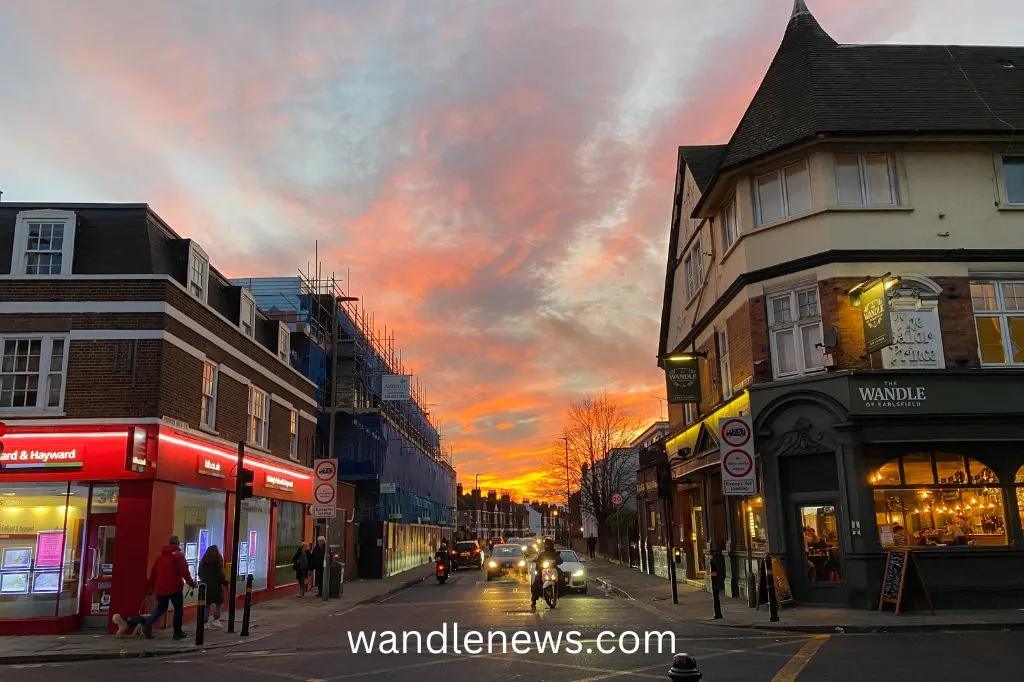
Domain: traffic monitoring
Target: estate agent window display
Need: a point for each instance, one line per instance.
(937, 500)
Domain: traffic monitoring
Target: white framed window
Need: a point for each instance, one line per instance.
(208, 410)
(782, 193)
(33, 368)
(247, 314)
(284, 343)
(693, 265)
(198, 271)
(259, 417)
(730, 229)
(794, 324)
(865, 180)
(1013, 177)
(724, 368)
(293, 434)
(44, 243)
(999, 321)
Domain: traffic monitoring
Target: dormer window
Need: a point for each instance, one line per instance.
(198, 271)
(284, 343)
(44, 243)
(247, 314)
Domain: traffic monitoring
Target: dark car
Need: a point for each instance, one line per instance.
(467, 554)
(506, 560)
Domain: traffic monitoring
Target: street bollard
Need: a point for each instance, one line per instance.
(714, 591)
(246, 607)
(201, 614)
(773, 601)
(684, 669)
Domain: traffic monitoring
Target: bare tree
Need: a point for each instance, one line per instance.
(597, 433)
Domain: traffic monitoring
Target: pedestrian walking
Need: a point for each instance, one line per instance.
(300, 562)
(211, 571)
(166, 580)
(592, 546)
(317, 555)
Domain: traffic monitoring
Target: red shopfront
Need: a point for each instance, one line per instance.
(85, 510)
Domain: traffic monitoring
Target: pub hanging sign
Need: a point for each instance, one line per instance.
(682, 379)
(874, 305)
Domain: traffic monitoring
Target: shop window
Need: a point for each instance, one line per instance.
(290, 522)
(199, 516)
(821, 543)
(753, 521)
(941, 500)
(42, 526)
(253, 552)
(1019, 480)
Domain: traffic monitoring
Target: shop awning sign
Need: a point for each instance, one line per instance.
(739, 475)
(42, 458)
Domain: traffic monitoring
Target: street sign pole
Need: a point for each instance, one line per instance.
(325, 506)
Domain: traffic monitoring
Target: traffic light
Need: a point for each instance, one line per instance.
(245, 479)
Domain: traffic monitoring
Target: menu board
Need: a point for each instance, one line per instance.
(191, 550)
(17, 557)
(243, 552)
(49, 549)
(898, 580)
(14, 583)
(251, 570)
(46, 582)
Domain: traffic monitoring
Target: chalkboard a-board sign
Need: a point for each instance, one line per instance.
(898, 580)
(783, 593)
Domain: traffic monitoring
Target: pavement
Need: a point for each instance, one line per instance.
(266, 619)
(471, 629)
(696, 606)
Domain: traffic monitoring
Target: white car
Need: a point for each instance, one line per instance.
(574, 573)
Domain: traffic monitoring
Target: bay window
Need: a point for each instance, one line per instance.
(783, 193)
(1013, 176)
(794, 322)
(865, 180)
(730, 229)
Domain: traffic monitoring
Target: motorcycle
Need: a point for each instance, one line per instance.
(441, 572)
(549, 583)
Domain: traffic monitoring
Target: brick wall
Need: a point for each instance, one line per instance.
(956, 321)
(181, 389)
(103, 381)
(232, 408)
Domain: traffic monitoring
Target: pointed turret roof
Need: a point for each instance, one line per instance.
(814, 86)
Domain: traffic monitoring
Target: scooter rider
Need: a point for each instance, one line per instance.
(442, 553)
(547, 554)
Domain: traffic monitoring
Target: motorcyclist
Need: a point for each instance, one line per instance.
(443, 554)
(547, 554)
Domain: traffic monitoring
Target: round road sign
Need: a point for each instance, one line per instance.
(735, 433)
(617, 499)
(326, 470)
(737, 463)
(324, 493)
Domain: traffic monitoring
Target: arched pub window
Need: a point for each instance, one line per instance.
(939, 499)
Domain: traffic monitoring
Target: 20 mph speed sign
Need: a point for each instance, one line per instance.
(739, 476)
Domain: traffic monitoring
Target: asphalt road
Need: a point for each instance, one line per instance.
(497, 610)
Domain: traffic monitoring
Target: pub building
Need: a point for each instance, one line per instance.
(131, 371)
(815, 285)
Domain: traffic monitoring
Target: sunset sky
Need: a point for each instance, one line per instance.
(496, 174)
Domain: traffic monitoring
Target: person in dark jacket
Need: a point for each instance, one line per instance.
(316, 557)
(211, 571)
(300, 562)
(550, 555)
(166, 580)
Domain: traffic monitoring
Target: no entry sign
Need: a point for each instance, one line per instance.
(739, 475)
(325, 489)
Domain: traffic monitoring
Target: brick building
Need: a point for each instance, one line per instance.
(131, 373)
(847, 270)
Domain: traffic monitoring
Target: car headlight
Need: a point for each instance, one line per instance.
(522, 563)
(492, 564)
(579, 573)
